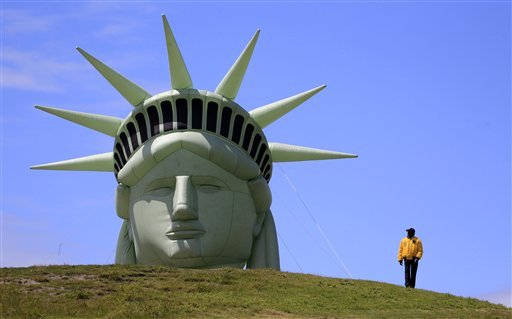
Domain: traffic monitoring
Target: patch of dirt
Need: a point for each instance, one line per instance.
(46, 278)
(78, 277)
(21, 281)
(272, 314)
(52, 291)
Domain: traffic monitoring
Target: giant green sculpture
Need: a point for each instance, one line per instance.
(192, 168)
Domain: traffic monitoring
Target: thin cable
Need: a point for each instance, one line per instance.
(334, 251)
(317, 225)
(306, 230)
(290, 252)
(109, 258)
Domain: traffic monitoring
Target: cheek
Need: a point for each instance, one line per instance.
(240, 239)
(215, 214)
(229, 224)
(150, 219)
(215, 210)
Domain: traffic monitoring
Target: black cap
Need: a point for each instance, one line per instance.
(411, 229)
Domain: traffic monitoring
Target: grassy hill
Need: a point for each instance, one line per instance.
(162, 292)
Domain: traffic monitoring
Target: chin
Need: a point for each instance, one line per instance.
(192, 255)
(203, 262)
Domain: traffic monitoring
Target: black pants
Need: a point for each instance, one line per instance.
(411, 268)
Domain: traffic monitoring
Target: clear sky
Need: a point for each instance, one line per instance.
(420, 90)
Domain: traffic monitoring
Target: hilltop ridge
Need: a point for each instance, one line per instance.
(116, 291)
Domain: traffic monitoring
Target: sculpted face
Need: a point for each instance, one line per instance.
(188, 212)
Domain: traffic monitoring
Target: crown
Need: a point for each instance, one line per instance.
(192, 110)
(186, 109)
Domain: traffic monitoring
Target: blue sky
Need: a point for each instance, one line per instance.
(420, 90)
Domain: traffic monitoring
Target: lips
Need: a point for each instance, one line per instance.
(185, 230)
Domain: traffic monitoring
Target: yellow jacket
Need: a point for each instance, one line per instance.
(410, 248)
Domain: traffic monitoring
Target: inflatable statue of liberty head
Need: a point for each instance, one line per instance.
(192, 168)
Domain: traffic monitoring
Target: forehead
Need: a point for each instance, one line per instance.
(211, 148)
(186, 163)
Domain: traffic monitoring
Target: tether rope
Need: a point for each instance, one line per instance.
(290, 252)
(317, 224)
(307, 231)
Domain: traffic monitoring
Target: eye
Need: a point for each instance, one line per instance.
(208, 188)
(208, 184)
(162, 191)
(161, 187)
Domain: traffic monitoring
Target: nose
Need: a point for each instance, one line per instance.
(184, 200)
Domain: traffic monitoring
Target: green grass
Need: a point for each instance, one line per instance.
(162, 292)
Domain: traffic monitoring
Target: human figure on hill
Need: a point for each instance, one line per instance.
(410, 251)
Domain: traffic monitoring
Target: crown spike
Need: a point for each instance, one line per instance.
(180, 78)
(101, 123)
(129, 90)
(100, 163)
(231, 82)
(292, 153)
(268, 114)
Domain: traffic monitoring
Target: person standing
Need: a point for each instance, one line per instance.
(410, 251)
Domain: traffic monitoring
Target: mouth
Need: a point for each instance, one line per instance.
(185, 230)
